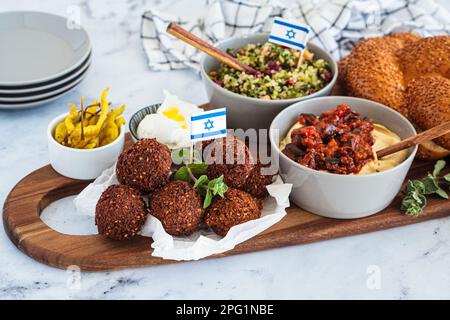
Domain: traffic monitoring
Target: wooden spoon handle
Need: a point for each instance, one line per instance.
(422, 137)
(182, 34)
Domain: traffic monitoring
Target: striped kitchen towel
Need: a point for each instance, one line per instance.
(335, 25)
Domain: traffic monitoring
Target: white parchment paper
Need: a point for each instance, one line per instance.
(203, 242)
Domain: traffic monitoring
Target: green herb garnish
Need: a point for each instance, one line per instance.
(183, 156)
(210, 188)
(414, 200)
(207, 188)
(195, 168)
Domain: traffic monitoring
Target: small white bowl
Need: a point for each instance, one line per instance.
(138, 116)
(80, 163)
(335, 195)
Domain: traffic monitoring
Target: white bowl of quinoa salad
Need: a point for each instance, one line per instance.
(252, 101)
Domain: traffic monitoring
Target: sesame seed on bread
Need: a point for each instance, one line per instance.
(408, 73)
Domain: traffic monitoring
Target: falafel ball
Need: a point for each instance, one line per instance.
(178, 206)
(231, 158)
(120, 212)
(256, 182)
(234, 208)
(145, 166)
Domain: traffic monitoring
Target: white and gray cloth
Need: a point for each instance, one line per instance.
(336, 25)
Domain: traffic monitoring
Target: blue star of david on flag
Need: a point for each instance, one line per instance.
(209, 125)
(289, 34)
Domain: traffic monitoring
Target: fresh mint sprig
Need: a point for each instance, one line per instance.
(188, 171)
(210, 188)
(414, 200)
(207, 188)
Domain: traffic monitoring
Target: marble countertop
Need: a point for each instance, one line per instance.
(403, 263)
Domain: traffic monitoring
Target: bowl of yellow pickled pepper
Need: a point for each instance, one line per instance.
(88, 139)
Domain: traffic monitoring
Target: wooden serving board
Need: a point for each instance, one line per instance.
(94, 253)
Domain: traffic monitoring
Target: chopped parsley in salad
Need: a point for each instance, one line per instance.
(278, 76)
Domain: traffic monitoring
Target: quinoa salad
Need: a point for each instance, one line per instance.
(278, 76)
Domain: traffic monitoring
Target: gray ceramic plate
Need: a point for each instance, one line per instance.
(26, 97)
(13, 105)
(26, 105)
(37, 47)
(46, 86)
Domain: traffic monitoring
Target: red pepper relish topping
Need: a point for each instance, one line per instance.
(338, 141)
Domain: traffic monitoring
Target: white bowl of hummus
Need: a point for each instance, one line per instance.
(332, 163)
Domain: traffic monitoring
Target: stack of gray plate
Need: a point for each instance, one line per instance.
(42, 57)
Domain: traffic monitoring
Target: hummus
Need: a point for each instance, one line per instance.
(383, 138)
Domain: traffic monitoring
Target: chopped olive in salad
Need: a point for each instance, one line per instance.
(278, 76)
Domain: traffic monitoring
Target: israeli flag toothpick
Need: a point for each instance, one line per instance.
(289, 34)
(209, 125)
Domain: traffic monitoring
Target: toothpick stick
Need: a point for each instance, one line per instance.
(191, 160)
(191, 153)
(82, 118)
(300, 60)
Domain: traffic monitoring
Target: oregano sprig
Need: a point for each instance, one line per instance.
(414, 200)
